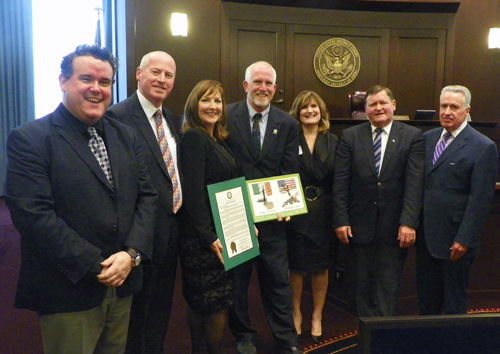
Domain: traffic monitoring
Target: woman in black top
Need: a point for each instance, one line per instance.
(204, 159)
(310, 236)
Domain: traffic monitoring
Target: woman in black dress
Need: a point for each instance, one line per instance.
(204, 159)
(310, 236)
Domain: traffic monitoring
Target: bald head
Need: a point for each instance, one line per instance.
(155, 76)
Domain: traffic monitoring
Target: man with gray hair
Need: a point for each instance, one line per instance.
(265, 141)
(460, 177)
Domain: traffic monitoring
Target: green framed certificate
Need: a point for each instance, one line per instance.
(233, 221)
(279, 194)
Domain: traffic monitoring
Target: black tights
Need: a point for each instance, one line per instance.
(206, 330)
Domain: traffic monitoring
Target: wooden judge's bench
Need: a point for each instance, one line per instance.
(484, 277)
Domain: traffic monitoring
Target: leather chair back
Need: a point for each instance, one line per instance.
(356, 105)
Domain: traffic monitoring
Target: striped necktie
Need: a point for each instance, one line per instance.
(440, 147)
(377, 148)
(169, 162)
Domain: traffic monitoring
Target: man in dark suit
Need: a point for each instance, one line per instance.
(151, 307)
(85, 210)
(460, 176)
(377, 198)
(277, 154)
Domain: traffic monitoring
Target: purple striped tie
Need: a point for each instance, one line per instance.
(440, 147)
(377, 149)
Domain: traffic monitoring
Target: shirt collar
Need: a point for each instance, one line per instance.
(387, 128)
(147, 106)
(81, 126)
(456, 132)
(252, 112)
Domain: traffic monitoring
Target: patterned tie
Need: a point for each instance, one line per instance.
(256, 134)
(440, 147)
(98, 148)
(169, 162)
(377, 148)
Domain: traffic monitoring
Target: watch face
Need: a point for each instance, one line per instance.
(137, 260)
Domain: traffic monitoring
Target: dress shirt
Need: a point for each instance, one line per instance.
(150, 110)
(262, 122)
(385, 137)
(453, 134)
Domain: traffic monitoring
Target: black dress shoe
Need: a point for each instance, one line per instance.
(246, 347)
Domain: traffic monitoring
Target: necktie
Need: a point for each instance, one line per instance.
(440, 147)
(256, 134)
(98, 148)
(169, 162)
(377, 148)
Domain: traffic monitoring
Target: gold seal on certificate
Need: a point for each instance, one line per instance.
(233, 221)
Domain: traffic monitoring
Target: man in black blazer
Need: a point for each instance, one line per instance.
(459, 188)
(85, 221)
(377, 212)
(278, 137)
(151, 307)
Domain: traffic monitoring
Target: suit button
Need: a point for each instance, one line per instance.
(379, 184)
(115, 228)
(112, 197)
(374, 203)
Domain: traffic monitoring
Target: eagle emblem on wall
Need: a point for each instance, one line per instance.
(336, 62)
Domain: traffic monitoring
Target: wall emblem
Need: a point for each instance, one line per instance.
(336, 62)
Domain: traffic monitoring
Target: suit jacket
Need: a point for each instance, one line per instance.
(278, 156)
(459, 189)
(378, 206)
(131, 113)
(68, 215)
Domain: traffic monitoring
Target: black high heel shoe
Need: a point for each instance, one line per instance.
(316, 339)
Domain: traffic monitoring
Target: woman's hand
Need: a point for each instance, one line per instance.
(217, 248)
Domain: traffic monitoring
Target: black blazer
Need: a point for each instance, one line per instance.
(68, 215)
(459, 190)
(278, 156)
(204, 165)
(279, 153)
(131, 113)
(370, 204)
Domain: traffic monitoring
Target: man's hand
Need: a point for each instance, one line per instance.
(406, 236)
(457, 251)
(279, 218)
(217, 248)
(115, 269)
(343, 233)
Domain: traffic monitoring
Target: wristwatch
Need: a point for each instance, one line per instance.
(136, 257)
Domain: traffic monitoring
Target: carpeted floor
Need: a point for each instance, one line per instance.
(20, 333)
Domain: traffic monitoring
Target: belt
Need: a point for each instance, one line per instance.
(311, 193)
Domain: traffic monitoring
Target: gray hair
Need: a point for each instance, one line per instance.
(462, 89)
(248, 71)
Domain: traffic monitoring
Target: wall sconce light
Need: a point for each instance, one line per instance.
(179, 24)
(494, 38)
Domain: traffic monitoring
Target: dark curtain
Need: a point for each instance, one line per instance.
(17, 99)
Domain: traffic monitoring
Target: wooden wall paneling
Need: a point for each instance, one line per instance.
(250, 42)
(417, 68)
(302, 43)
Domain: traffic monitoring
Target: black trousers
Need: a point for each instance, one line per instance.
(272, 273)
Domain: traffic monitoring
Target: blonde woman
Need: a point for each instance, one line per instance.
(310, 236)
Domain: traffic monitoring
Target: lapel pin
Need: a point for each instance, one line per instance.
(275, 131)
(393, 140)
